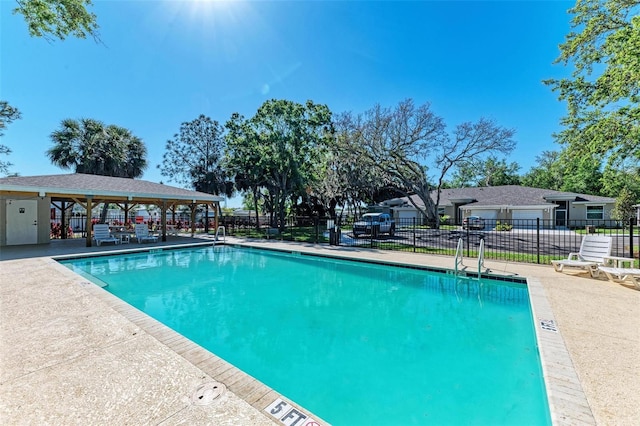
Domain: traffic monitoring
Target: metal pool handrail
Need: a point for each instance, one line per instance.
(459, 256)
(224, 234)
(481, 258)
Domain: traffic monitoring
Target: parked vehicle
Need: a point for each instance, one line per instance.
(374, 224)
(473, 222)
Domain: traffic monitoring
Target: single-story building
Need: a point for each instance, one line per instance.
(519, 204)
(26, 201)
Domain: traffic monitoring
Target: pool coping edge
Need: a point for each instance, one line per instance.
(568, 404)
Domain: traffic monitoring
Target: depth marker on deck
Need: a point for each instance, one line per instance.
(288, 415)
(549, 325)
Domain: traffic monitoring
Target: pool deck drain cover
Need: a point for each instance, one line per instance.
(208, 392)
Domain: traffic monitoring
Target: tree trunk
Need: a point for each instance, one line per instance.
(332, 208)
(255, 206)
(206, 218)
(103, 214)
(281, 204)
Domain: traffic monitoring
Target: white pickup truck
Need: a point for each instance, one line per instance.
(374, 224)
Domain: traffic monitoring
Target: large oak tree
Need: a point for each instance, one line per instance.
(603, 92)
(402, 142)
(58, 18)
(284, 141)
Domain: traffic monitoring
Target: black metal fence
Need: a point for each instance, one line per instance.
(530, 241)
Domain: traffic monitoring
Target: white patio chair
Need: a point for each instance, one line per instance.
(622, 274)
(593, 250)
(102, 234)
(142, 233)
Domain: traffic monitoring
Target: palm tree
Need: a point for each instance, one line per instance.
(88, 146)
(129, 160)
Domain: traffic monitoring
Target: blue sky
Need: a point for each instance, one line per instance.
(161, 63)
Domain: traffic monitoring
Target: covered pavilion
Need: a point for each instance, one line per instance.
(26, 202)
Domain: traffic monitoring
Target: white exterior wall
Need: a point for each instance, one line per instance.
(44, 221)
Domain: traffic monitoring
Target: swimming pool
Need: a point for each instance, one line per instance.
(355, 343)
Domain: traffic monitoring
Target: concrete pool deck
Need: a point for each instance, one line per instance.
(72, 353)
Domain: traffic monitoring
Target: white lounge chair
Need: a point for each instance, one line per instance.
(102, 234)
(622, 274)
(593, 250)
(142, 233)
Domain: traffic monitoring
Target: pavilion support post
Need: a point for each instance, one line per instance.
(163, 220)
(206, 218)
(63, 220)
(88, 221)
(193, 219)
(216, 214)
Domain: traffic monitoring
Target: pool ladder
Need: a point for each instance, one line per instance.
(459, 257)
(224, 234)
(460, 266)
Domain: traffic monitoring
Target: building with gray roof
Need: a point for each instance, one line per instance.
(511, 202)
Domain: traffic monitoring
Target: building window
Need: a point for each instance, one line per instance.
(595, 212)
(562, 205)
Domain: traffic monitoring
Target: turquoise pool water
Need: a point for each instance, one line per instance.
(355, 343)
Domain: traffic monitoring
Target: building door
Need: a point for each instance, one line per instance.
(562, 213)
(561, 217)
(22, 222)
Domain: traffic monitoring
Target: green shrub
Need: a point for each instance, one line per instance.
(503, 226)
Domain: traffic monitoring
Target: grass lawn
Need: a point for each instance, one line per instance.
(310, 234)
(609, 231)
